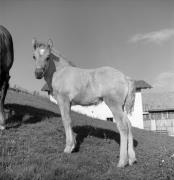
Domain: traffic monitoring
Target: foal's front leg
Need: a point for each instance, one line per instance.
(64, 106)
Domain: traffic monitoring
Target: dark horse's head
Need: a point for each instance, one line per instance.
(41, 55)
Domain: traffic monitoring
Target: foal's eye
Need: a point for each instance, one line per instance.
(47, 58)
(34, 57)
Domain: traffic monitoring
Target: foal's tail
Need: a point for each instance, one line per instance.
(130, 98)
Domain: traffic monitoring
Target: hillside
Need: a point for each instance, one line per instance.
(32, 146)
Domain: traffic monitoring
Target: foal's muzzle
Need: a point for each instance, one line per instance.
(39, 73)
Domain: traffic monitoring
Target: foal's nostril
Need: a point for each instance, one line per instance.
(39, 73)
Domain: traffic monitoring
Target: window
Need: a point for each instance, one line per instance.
(165, 115)
(156, 115)
(146, 117)
(170, 115)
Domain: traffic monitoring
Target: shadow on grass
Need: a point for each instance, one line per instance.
(84, 131)
(24, 114)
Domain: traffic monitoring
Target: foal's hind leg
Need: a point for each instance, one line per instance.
(131, 152)
(123, 129)
(64, 106)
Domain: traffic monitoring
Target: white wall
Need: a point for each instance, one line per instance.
(102, 111)
(52, 99)
(136, 117)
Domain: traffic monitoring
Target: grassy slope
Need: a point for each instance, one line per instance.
(32, 147)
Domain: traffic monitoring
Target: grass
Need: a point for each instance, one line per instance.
(32, 147)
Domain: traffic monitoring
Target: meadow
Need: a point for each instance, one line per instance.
(32, 146)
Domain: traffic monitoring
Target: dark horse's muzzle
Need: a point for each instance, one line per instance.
(39, 73)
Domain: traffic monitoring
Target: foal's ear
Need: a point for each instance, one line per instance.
(50, 43)
(34, 43)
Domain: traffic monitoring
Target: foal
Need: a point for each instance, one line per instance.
(71, 85)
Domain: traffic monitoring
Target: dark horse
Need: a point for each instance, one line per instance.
(6, 61)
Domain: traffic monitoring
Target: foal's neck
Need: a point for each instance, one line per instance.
(56, 64)
(59, 61)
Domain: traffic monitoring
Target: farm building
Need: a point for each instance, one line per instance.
(102, 111)
(159, 112)
(136, 117)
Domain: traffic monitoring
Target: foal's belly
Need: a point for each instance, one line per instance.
(86, 99)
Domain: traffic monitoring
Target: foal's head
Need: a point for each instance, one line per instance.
(41, 55)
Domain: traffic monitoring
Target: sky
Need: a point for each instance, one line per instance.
(133, 36)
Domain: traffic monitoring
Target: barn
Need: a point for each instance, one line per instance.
(158, 112)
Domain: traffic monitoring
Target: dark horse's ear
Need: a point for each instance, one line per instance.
(50, 43)
(34, 43)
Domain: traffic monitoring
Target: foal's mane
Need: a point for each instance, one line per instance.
(59, 55)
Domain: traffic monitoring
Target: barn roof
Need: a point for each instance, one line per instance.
(158, 101)
(141, 84)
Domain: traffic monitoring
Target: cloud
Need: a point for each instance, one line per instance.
(157, 37)
(164, 82)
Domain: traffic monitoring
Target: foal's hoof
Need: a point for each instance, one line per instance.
(132, 161)
(122, 164)
(68, 149)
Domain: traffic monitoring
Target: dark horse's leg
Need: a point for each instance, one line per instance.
(4, 88)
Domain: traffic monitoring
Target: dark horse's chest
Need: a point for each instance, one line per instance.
(6, 54)
(6, 50)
